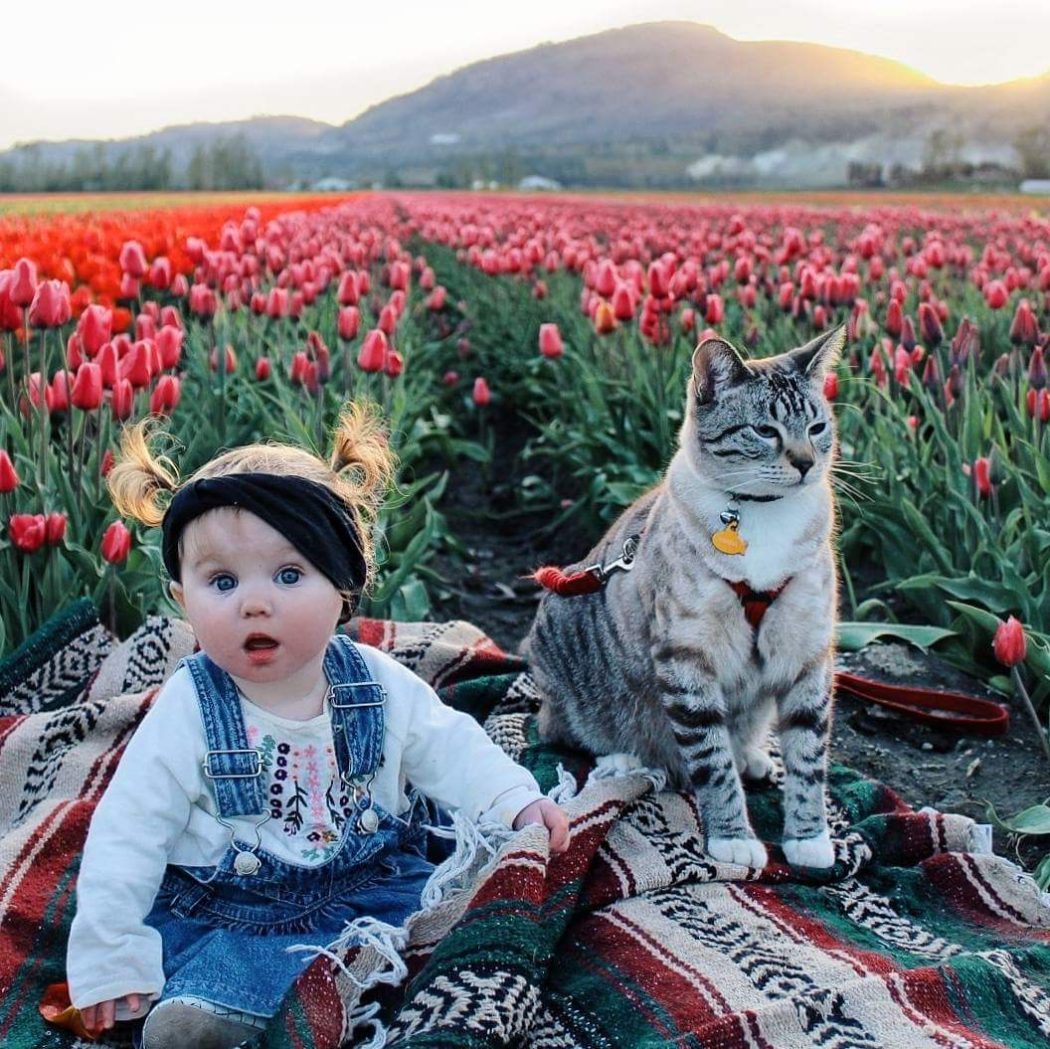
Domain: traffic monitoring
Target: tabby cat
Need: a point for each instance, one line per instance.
(664, 663)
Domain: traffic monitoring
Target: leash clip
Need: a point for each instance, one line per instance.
(624, 563)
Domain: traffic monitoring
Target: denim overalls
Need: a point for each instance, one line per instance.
(225, 929)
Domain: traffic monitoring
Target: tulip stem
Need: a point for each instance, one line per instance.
(1027, 701)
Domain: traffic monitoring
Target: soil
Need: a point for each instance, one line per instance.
(925, 765)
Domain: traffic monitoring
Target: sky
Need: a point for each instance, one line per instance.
(114, 68)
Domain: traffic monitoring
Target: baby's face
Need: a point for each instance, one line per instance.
(260, 610)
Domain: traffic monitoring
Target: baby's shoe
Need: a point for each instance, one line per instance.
(181, 1025)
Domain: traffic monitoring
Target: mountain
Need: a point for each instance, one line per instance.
(660, 104)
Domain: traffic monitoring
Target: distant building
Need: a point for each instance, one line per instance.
(533, 182)
(331, 184)
(1035, 185)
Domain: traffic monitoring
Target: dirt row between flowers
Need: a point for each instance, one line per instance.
(923, 764)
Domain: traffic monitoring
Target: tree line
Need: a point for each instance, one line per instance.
(224, 163)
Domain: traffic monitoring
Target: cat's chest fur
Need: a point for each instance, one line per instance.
(783, 536)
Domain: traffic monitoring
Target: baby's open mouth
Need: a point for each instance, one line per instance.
(259, 643)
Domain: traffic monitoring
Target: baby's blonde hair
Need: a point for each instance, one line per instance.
(358, 473)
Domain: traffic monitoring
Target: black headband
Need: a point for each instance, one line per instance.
(309, 515)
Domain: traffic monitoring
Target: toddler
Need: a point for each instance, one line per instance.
(269, 795)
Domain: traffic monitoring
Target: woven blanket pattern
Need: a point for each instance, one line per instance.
(633, 938)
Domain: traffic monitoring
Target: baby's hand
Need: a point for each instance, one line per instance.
(100, 1016)
(549, 815)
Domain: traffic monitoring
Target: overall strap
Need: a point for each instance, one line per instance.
(358, 722)
(232, 767)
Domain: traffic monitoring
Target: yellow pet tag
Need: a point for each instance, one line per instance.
(729, 541)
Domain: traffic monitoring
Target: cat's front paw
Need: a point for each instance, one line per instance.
(757, 766)
(815, 852)
(749, 852)
(617, 764)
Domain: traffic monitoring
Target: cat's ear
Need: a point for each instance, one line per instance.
(716, 365)
(821, 354)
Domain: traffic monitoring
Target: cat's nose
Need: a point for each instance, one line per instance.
(801, 463)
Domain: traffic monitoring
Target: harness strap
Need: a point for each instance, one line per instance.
(755, 602)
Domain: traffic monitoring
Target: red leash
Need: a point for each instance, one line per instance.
(947, 710)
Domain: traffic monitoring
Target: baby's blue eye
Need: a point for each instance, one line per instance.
(223, 582)
(289, 576)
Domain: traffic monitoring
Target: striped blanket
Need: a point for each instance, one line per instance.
(633, 938)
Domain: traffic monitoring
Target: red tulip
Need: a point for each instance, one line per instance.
(169, 345)
(894, 319)
(10, 313)
(203, 301)
(348, 294)
(349, 322)
(995, 294)
(50, 307)
(133, 259)
(715, 310)
(95, 328)
(122, 399)
(982, 476)
(160, 273)
(278, 303)
(262, 369)
(436, 299)
(108, 361)
(831, 386)
(55, 528)
(482, 393)
(372, 356)
(165, 395)
(229, 359)
(1010, 644)
(145, 327)
(550, 341)
(395, 364)
(180, 286)
(930, 325)
(299, 368)
(129, 287)
(1024, 328)
(56, 394)
(450, 378)
(116, 543)
(1037, 369)
(28, 532)
(388, 319)
(9, 479)
(107, 462)
(87, 387)
(22, 288)
(623, 303)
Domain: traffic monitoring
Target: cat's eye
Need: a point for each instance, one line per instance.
(817, 428)
(766, 431)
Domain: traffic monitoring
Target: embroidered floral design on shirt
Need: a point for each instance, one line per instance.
(304, 794)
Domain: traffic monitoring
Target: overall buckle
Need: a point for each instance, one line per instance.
(255, 764)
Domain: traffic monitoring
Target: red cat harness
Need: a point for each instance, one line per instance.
(591, 579)
(950, 710)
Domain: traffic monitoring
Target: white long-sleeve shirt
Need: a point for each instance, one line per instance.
(158, 809)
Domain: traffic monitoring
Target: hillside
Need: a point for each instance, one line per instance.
(661, 104)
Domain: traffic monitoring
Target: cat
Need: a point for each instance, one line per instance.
(662, 663)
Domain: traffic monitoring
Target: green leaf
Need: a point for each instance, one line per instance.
(993, 596)
(1042, 873)
(1033, 820)
(852, 636)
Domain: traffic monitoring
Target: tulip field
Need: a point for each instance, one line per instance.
(567, 322)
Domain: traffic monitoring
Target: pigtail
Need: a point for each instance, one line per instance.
(139, 477)
(361, 456)
(364, 465)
